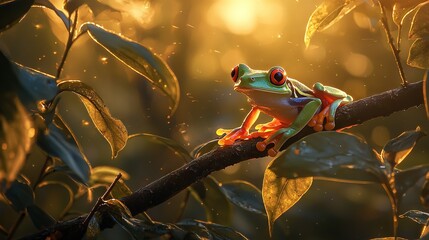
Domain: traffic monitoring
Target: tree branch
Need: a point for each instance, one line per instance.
(157, 192)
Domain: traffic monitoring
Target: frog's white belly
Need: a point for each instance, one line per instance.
(275, 105)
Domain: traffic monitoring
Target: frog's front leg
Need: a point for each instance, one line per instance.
(279, 137)
(241, 132)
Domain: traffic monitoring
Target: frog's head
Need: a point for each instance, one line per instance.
(249, 81)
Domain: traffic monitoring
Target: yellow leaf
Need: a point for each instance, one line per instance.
(280, 194)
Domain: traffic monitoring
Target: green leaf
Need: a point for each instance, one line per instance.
(417, 216)
(426, 92)
(93, 228)
(137, 228)
(406, 179)
(420, 23)
(169, 143)
(35, 86)
(204, 148)
(279, 194)
(105, 175)
(424, 194)
(12, 12)
(138, 58)
(418, 55)
(216, 231)
(112, 129)
(402, 9)
(397, 149)
(333, 156)
(95, 6)
(39, 217)
(20, 195)
(326, 14)
(16, 136)
(66, 187)
(214, 200)
(49, 5)
(54, 142)
(244, 195)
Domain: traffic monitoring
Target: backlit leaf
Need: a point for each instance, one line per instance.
(397, 149)
(402, 9)
(137, 228)
(93, 228)
(417, 216)
(16, 136)
(424, 194)
(420, 23)
(39, 217)
(326, 14)
(139, 58)
(59, 13)
(216, 231)
(54, 142)
(105, 175)
(35, 86)
(204, 148)
(12, 12)
(332, 156)
(169, 143)
(214, 200)
(20, 195)
(112, 129)
(64, 186)
(280, 194)
(418, 55)
(244, 195)
(16, 128)
(426, 92)
(406, 179)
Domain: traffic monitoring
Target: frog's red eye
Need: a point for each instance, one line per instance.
(234, 74)
(278, 76)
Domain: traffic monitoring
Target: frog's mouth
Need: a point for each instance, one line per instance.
(251, 91)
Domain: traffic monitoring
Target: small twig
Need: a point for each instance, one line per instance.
(395, 50)
(68, 45)
(16, 225)
(3, 231)
(24, 213)
(101, 200)
(183, 206)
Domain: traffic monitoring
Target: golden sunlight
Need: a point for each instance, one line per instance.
(241, 17)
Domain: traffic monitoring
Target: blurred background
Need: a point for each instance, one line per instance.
(202, 41)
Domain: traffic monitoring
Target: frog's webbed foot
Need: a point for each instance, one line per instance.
(231, 135)
(328, 114)
(317, 121)
(278, 138)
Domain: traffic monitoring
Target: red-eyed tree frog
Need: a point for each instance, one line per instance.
(292, 105)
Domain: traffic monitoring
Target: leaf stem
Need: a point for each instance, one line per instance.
(16, 225)
(100, 200)
(24, 213)
(3, 230)
(394, 205)
(68, 45)
(395, 50)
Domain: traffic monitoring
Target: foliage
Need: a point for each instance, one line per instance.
(30, 118)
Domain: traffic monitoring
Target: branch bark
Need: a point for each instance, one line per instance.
(157, 192)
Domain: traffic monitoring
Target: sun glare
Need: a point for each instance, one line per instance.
(241, 17)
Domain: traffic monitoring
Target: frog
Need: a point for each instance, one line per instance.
(290, 103)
